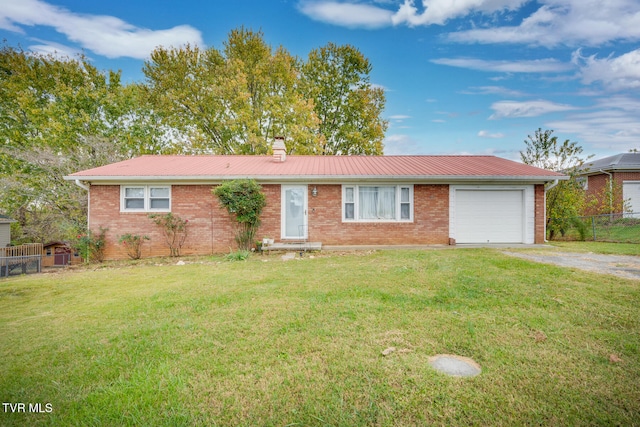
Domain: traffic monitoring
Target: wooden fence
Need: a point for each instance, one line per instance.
(23, 259)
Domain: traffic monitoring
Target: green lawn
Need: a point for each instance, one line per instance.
(298, 343)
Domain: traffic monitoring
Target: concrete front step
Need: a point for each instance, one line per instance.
(294, 246)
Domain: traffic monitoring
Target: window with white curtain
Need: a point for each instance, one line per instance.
(367, 203)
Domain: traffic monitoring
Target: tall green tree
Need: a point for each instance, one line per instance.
(58, 116)
(349, 107)
(233, 101)
(566, 200)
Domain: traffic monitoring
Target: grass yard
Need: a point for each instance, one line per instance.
(298, 343)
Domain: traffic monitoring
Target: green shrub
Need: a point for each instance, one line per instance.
(174, 230)
(91, 245)
(237, 256)
(244, 200)
(133, 244)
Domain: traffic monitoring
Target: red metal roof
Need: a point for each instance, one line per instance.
(315, 167)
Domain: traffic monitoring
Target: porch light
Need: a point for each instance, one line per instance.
(314, 192)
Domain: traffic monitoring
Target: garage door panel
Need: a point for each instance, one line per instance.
(489, 216)
(631, 193)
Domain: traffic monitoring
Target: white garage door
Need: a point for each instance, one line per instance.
(631, 192)
(489, 216)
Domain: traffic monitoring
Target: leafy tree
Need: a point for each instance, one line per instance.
(233, 101)
(58, 116)
(236, 100)
(244, 200)
(566, 200)
(348, 106)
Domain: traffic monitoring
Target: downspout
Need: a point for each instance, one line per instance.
(81, 185)
(547, 188)
(610, 192)
(86, 188)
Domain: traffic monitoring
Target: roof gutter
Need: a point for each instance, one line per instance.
(322, 178)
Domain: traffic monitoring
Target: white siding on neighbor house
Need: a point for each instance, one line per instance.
(492, 214)
(631, 193)
(5, 234)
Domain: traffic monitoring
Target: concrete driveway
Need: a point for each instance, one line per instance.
(618, 265)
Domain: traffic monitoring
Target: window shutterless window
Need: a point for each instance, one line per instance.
(145, 198)
(370, 203)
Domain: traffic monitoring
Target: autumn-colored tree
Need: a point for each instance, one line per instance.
(233, 101)
(236, 100)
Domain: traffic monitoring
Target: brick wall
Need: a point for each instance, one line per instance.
(598, 184)
(210, 230)
(430, 224)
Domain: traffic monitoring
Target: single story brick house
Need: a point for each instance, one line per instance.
(335, 200)
(622, 170)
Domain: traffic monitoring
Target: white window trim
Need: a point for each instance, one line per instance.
(147, 198)
(356, 202)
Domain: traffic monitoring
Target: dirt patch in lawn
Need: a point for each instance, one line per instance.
(618, 265)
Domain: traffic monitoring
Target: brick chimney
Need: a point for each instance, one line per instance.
(279, 149)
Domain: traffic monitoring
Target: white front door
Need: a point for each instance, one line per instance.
(294, 212)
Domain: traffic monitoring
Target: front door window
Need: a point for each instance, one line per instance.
(294, 212)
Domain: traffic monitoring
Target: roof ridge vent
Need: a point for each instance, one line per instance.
(279, 149)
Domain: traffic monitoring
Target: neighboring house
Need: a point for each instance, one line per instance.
(5, 230)
(59, 254)
(622, 170)
(335, 200)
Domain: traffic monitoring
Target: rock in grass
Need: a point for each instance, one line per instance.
(388, 351)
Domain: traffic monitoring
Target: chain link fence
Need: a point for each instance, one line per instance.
(617, 228)
(23, 259)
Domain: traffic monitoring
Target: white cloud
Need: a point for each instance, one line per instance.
(440, 11)
(553, 23)
(103, 35)
(487, 134)
(548, 65)
(347, 14)
(615, 73)
(493, 90)
(566, 22)
(399, 117)
(401, 145)
(512, 109)
(611, 124)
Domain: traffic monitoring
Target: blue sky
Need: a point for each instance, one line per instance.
(461, 77)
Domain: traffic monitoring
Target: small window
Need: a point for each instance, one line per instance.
(48, 251)
(349, 203)
(405, 203)
(159, 198)
(146, 198)
(134, 198)
(583, 181)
